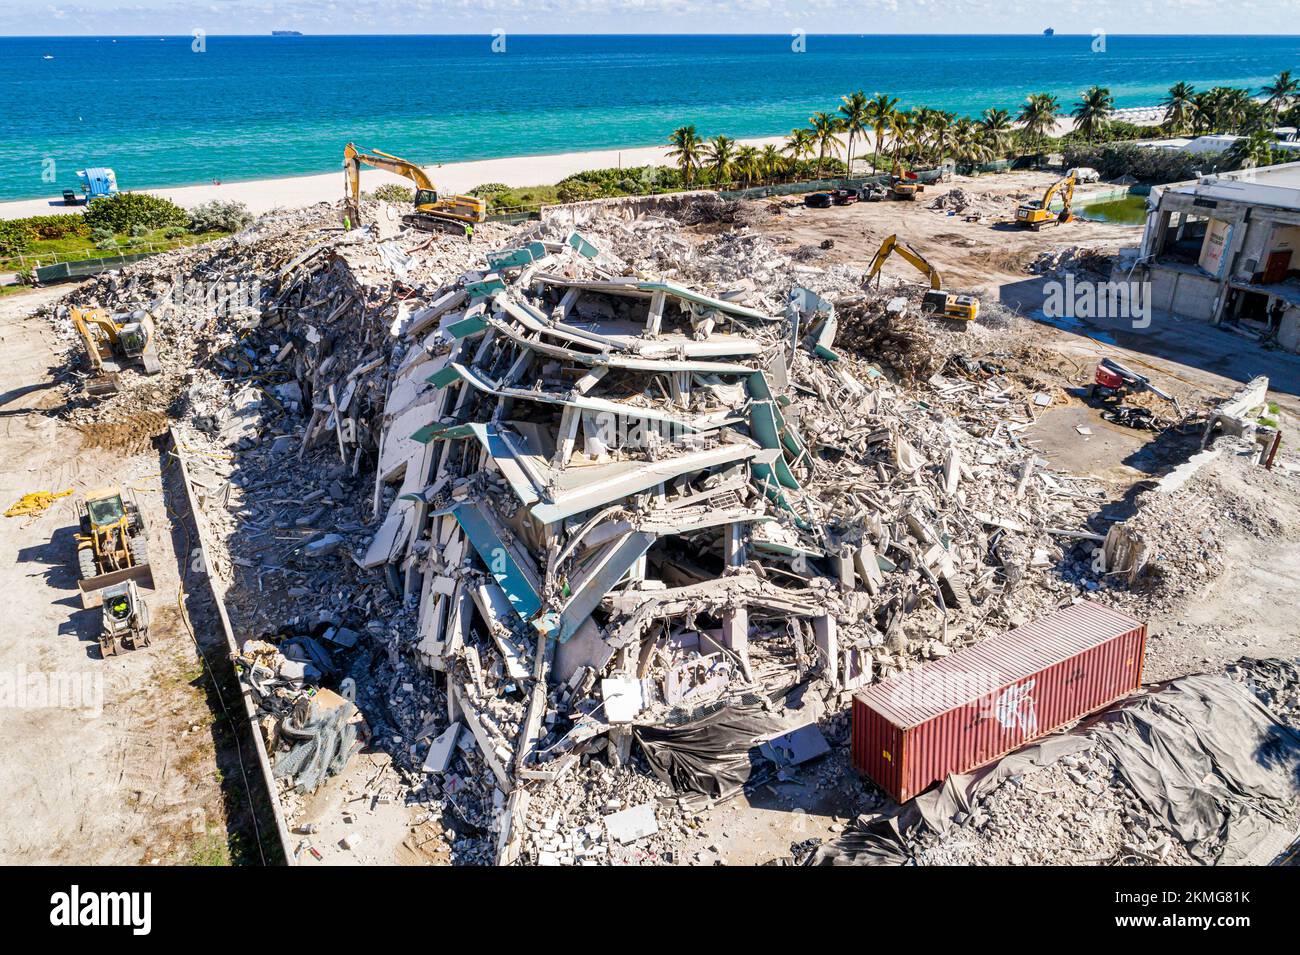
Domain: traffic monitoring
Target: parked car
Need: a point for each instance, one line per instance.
(844, 197)
(818, 200)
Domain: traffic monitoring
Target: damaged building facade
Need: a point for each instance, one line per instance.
(1226, 250)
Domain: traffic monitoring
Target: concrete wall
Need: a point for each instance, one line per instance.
(1288, 332)
(1183, 293)
(627, 207)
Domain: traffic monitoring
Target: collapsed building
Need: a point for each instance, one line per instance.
(1222, 249)
(580, 489)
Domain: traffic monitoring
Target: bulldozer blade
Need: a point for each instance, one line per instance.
(142, 574)
(105, 384)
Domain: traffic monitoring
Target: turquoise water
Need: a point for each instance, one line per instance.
(255, 107)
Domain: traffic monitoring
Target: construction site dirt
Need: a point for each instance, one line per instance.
(572, 544)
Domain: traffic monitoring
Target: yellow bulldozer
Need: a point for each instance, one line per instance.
(959, 308)
(1038, 212)
(433, 213)
(112, 545)
(113, 342)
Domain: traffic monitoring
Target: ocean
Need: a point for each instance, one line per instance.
(248, 107)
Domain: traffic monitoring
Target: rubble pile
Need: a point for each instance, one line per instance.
(1076, 811)
(982, 206)
(1172, 548)
(539, 493)
(1080, 261)
(1275, 683)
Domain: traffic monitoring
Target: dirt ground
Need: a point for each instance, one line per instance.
(975, 257)
(121, 760)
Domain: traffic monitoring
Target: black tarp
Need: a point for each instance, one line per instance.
(1201, 752)
(712, 756)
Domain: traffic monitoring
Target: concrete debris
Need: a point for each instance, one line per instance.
(1081, 262)
(537, 490)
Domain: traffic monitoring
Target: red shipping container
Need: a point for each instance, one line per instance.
(956, 714)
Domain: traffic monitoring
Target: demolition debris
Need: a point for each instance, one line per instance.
(569, 519)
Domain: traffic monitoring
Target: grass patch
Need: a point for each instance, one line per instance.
(78, 248)
(210, 849)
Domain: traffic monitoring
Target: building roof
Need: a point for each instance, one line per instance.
(1277, 186)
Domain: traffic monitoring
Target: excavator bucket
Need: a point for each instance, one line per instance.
(101, 385)
(92, 587)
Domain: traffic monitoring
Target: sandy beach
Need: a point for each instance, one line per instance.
(262, 195)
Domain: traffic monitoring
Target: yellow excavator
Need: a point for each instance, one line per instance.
(900, 187)
(1037, 213)
(433, 213)
(963, 308)
(112, 341)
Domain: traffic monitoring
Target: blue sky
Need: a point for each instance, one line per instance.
(178, 17)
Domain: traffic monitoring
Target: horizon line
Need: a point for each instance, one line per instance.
(304, 35)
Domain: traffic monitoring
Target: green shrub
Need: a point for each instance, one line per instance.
(489, 189)
(575, 189)
(67, 226)
(105, 245)
(138, 232)
(395, 193)
(100, 235)
(217, 216)
(122, 211)
(15, 237)
(174, 232)
(1114, 160)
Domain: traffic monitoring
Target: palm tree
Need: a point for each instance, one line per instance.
(771, 160)
(1038, 116)
(996, 126)
(1179, 106)
(1092, 111)
(880, 112)
(749, 163)
(1205, 111)
(720, 152)
(968, 144)
(1251, 151)
(824, 130)
(685, 149)
(1235, 107)
(799, 144)
(853, 112)
(940, 126)
(1280, 93)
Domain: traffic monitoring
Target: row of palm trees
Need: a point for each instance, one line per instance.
(930, 135)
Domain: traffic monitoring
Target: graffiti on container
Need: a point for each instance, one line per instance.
(1015, 707)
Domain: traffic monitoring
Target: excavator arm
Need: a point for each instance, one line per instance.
(429, 207)
(910, 255)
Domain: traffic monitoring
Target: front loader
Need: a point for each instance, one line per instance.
(112, 546)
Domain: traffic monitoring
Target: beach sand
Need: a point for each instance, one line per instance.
(262, 195)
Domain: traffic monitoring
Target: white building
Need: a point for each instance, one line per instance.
(1226, 249)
